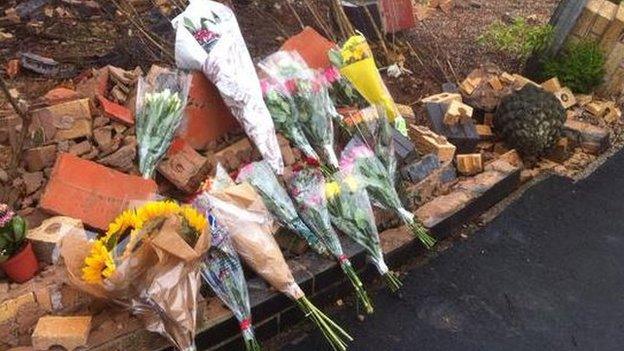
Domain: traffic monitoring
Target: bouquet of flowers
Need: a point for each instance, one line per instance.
(277, 201)
(351, 212)
(376, 132)
(241, 210)
(285, 115)
(222, 271)
(309, 190)
(358, 159)
(209, 39)
(342, 92)
(357, 64)
(161, 98)
(148, 261)
(314, 105)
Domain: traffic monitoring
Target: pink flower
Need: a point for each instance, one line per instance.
(266, 86)
(6, 215)
(349, 158)
(204, 36)
(331, 74)
(245, 172)
(291, 86)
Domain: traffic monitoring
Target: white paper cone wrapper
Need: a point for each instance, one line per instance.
(230, 68)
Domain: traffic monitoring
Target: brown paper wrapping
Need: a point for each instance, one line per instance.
(157, 278)
(250, 226)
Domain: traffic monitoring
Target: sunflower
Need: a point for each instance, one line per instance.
(126, 220)
(332, 189)
(98, 265)
(156, 209)
(196, 220)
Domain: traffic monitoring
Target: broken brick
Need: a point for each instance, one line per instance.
(421, 169)
(484, 131)
(116, 111)
(469, 84)
(612, 113)
(32, 181)
(566, 97)
(60, 95)
(593, 139)
(38, 158)
(443, 98)
(69, 120)
(496, 84)
(233, 156)
(46, 237)
(427, 141)
(552, 85)
(13, 68)
(312, 47)
(560, 152)
(208, 118)
(122, 159)
(513, 158)
(91, 192)
(469, 164)
(184, 167)
(69, 332)
(81, 148)
(596, 108)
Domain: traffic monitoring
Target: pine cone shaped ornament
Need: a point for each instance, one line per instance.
(530, 120)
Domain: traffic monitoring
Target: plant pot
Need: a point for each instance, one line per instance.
(22, 266)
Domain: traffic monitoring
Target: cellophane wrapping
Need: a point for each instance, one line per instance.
(153, 272)
(314, 105)
(277, 201)
(222, 270)
(209, 39)
(160, 103)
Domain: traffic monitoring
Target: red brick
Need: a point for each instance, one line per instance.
(60, 95)
(91, 192)
(312, 47)
(116, 111)
(184, 167)
(64, 121)
(397, 15)
(208, 118)
(69, 332)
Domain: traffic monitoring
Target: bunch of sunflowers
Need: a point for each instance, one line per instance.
(124, 235)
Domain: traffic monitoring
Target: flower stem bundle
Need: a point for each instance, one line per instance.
(352, 213)
(160, 102)
(308, 189)
(359, 160)
(243, 213)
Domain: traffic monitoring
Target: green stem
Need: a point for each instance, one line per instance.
(392, 281)
(358, 286)
(422, 234)
(334, 334)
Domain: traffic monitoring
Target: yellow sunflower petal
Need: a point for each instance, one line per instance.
(196, 220)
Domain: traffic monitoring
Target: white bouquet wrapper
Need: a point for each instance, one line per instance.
(217, 48)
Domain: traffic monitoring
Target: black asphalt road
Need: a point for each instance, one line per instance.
(547, 274)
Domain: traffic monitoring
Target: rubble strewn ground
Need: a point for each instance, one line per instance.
(88, 118)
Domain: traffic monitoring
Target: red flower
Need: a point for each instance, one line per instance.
(204, 35)
(312, 162)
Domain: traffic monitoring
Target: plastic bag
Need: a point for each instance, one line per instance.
(314, 105)
(217, 48)
(161, 99)
(147, 262)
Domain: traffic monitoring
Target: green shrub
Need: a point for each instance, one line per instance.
(580, 66)
(518, 38)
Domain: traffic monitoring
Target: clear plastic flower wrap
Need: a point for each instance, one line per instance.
(241, 210)
(222, 271)
(309, 90)
(209, 39)
(161, 98)
(308, 189)
(148, 262)
(359, 160)
(285, 115)
(277, 201)
(351, 212)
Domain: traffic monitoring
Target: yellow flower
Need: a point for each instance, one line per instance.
(351, 182)
(126, 220)
(332, 189)
(98, 265)
(155, 209)
(196, 220)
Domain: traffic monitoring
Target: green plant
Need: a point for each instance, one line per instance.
(12, 233)
(580, 66)
(518, 38)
